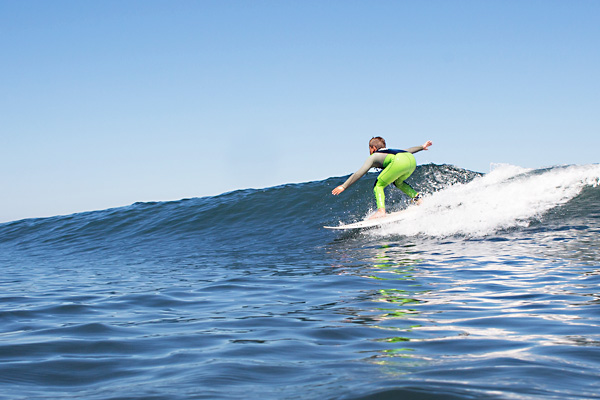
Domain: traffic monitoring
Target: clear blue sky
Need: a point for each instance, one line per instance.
(105, 103)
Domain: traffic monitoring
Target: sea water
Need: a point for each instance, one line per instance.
(489, 290)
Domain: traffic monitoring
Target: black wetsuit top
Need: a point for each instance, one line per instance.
(376, 160)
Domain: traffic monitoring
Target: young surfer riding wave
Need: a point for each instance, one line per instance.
(397, 166)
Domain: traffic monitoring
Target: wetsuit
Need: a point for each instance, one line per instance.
(397, 166)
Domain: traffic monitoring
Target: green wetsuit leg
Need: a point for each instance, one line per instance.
(406, 188)
(397, 168)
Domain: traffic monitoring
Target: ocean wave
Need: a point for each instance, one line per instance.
(457, 202)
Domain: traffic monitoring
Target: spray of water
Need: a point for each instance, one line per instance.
(507, 197)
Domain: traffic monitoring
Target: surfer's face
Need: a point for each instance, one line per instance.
(372, 149)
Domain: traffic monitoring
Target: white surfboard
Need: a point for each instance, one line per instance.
(370, 223)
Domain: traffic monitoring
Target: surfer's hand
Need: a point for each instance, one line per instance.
(427, 144)
(338, 190)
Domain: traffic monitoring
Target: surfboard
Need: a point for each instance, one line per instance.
(370, 223)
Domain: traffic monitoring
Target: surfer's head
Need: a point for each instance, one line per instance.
(376, 143)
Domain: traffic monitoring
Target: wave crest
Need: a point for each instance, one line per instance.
(458, 202)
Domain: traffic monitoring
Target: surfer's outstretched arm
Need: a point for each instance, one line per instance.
(372, 161)
(416, 149)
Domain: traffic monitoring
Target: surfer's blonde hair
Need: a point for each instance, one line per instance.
(378, 142)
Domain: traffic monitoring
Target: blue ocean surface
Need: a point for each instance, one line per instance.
(488, 290)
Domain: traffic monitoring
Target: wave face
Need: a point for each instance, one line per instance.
(458, 202)
(487, 290)
(286, 214)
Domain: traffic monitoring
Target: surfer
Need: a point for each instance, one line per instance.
(397, 166)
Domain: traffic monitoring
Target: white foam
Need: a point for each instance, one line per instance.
(508, 196)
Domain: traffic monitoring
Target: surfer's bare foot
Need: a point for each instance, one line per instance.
(378, 214)
(418, 199)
